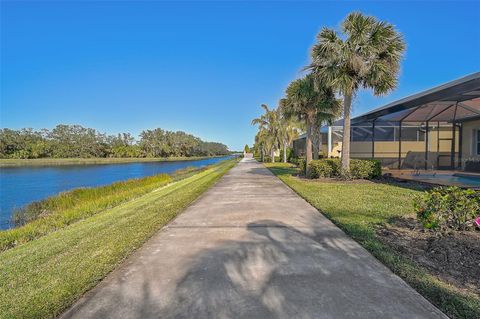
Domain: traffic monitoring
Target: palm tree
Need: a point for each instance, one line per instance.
(270, 123)
(288, 132)
(308, 102)
(260, 142)
(366, 55)
(289, 127)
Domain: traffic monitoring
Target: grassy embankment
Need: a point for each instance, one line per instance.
(42, 277)
(359, 209)
(40, 218)
(4, 162)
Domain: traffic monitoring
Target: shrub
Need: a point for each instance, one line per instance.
(293, 160)
(324, 168)
(290, 154)
(302, 164)
(377, 169)
(365, 169)
(267, 159)
(359, 169)
(448, 208)
(320, 168)
(335, 163)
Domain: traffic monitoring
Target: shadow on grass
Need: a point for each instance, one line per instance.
(413, 185)
(284, 170)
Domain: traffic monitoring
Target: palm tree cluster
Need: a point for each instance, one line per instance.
(366, 53)
(275, 131)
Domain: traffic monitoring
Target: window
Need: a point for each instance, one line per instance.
(412, 133)
(386, 134)
(478, 142)
(361, 134)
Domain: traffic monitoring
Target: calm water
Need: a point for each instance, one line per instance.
(22, 185)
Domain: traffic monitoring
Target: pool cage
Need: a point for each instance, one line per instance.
(423, 131)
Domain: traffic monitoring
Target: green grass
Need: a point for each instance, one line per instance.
(43, 277)
(5, 162)
(59, 211)
(359, 209)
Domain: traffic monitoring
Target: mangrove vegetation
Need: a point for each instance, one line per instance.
(75, 141)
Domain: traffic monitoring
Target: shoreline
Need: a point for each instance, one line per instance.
(94, 161)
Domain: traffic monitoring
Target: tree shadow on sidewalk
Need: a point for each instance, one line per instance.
(279, 271)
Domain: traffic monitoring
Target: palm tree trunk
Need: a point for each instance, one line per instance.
(315, 141)
(308, 148)
(273, 155)
(347, 103)
(263, 154)
(284, 151)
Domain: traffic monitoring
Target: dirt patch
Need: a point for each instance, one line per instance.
(454, 258)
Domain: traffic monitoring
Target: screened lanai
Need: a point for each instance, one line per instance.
(434, 129)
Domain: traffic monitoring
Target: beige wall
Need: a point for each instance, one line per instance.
(385, 149)
(468, 147)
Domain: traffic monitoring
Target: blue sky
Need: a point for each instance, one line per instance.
(200, 67)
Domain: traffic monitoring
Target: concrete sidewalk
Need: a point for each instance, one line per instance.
(251, 248)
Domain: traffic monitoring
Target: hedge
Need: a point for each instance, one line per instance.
(359, 169)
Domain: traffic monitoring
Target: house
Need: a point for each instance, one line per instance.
(435, 129)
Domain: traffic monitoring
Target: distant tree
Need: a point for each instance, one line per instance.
(127, 151)
(121, 139)
(210, 149)
(366, 55)
(246, 148)
(24, 143)
(262, 142)
(160, 143)
(270, 122)
(76, 141)
(153, 143)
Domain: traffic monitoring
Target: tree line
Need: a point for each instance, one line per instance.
(75, 141)
(365, 53)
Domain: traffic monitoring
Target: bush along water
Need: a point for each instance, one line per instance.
(331, 167)
(448, 208)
